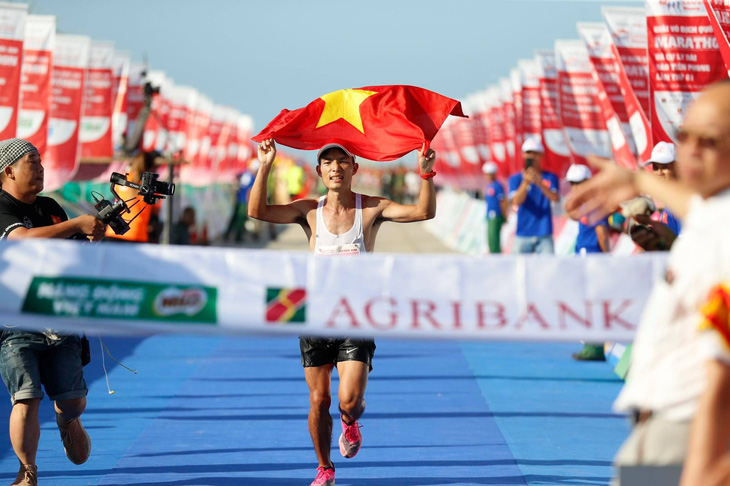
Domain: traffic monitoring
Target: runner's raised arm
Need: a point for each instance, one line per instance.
(426, 206)
(258, 207)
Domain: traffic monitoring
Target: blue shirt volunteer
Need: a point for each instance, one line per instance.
(494, 195)
(587, 237)
(534, 216)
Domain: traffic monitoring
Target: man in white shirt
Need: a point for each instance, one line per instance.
(679, 384)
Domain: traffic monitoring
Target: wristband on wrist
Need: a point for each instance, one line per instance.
(428, 175)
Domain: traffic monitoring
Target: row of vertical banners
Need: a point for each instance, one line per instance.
(616, 90)
(74, 97)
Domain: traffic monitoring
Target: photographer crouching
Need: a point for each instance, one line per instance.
(31, 359)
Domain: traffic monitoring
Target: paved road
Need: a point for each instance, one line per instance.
(392, 238)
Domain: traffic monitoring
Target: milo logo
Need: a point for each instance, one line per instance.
(174, 300)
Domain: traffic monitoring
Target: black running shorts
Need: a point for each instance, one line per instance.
(322, 351)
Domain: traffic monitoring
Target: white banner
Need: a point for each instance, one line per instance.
(110, 288)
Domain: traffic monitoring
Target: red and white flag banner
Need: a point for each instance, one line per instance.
(156, 135)
(215, 129)
(605, 72)
(627, 27)
(497, 140)
(449, 163)
(35, 86)
(178, 119)
(478, 104)
(135, 94)
(96, 116)
(12, 33)
(557, 153)
(197, 172)
(245, 128)
(192, 140)
(684, 57)
(579, 106)
(516, 80)
(467, 143)
(530, 74)
(224, 146)
(719, 13)
(205, 115)
(121, 63)
(70, 61)
(508, 112)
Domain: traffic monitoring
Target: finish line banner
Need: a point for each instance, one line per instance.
(145, 289)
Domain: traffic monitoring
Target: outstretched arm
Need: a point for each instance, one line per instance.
(258, 207)
(89, 225)
(426, 207)
(613, 185)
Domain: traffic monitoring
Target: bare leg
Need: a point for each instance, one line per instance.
(320, 420)
(70, 409)
(353, 381)
(25, 429)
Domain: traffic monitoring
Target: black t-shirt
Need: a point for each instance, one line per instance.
(14, 214)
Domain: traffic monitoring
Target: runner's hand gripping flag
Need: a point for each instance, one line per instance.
(376, 122)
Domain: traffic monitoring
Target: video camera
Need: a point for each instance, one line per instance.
(151, 190)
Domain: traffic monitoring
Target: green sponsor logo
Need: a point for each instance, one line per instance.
(115, 299)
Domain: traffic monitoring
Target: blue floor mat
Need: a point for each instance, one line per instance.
(233, 411)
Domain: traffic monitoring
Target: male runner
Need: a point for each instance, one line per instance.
(340, 223)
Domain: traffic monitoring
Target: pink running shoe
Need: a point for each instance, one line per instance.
(325, 477)
(350, 440)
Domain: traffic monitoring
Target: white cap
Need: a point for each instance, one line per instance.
(333, 145)
(578, 173)
(489, 168)
(533, 144)
(663, 153)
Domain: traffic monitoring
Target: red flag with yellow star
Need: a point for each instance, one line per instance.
(375, 122)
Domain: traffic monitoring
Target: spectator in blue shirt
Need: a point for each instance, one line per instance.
(658, 235)
(591, 239)
(496, 207)
(532, 191)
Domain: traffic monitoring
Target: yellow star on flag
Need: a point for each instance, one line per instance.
(344, 104)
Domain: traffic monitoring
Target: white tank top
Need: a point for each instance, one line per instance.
(350, 243)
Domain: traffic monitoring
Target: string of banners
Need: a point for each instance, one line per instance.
(145, 289)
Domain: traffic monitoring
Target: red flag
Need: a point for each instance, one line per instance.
(375, 122)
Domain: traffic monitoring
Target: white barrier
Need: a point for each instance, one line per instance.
(115, 288)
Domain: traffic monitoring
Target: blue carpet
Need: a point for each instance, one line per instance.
(232, 411)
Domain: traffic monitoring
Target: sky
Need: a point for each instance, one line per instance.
(262, 56)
